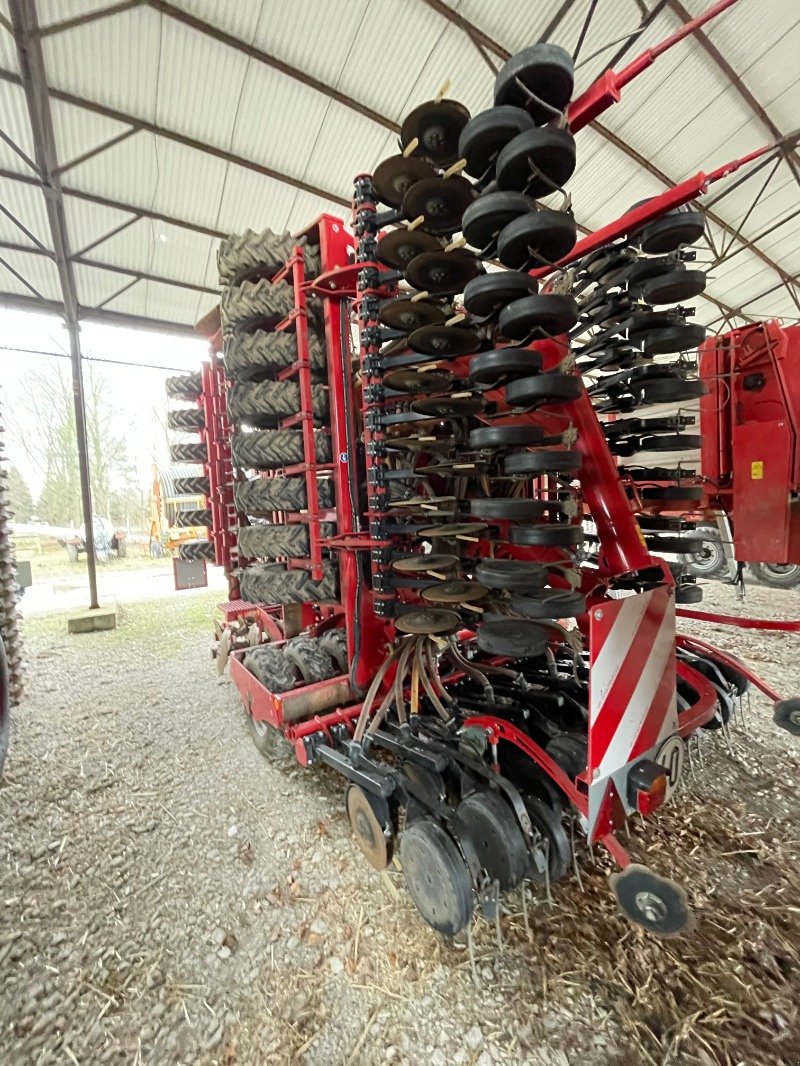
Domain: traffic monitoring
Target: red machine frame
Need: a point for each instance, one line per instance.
(304, 715)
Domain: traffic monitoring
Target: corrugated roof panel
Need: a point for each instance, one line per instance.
(39, 270)
(346, 145)
(319, 36)
(251, 201)
(95, 286)
(26, 203)
(14, 113)
(785, 108)
(78, 130)
(158, 249)
(399, 67)
(306, 208)
(114, 61)
(240, 20)
(286, 145)
(131, 302)
(50, 11)
(87, 222)
(160, 175)
(167, 302)
(199, 82)
(8, 49)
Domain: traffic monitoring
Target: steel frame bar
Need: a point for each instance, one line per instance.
(751, 209)
(140, 275)
(20, 278)
(90, 16)
(12, 144)
(24, 229)
(84, 157)
(105, 237)
(182, 139)
(704, 648)
(119, 292)
(16, 302)
(34, 82)
(119, 205)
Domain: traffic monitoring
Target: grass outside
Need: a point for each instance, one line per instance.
(54, 564)
(160, 625)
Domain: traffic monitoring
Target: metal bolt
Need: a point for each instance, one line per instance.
(598, 615)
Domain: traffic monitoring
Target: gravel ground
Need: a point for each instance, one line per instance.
(172, 897)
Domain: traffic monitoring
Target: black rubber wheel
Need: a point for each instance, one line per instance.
(262, 496)
(538, 162)
(676, 545)
(546, 314)
(444, 341)
(498, 635)
(393, 177)
(441, 202)
(546, 71)
(269, 583)
(251, 356)
(436, 876)
(399, 246)
(510, 509)
(334, 642)
(268, 664)
(264, 404)
(503, 364)
(642, 270)
(490, 437)
(188, 419)
(544, 389)
(408, 314)
(786, 715)
(671, 231)
(517, 575)
(437, 124)
(5, 704)
(673, 287)
(443, 273)
(550, 603)
(485, 135)
(678, 338)
(184, 386)
(543, 461)
(570, 751)
(491, 827)
(686, 594)
(191, 486)
(547, 535)
(189, 453)
(672, 390)
(655, 903)
(776, 575)
(537, 239)
(310, 659)
(270, 449)
(485, 217)
(195, 516)
(489, 293)
(549, 826)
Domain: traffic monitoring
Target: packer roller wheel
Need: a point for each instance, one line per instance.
(436, 876)
(485, 135)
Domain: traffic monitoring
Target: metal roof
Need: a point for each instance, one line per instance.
(177, 122)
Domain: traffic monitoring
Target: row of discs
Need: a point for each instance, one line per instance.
(479, 476)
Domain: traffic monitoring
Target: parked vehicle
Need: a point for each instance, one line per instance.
(107, 541)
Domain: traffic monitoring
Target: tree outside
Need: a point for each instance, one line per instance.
(19, 495)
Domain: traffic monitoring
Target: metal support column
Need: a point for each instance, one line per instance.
(31, 60)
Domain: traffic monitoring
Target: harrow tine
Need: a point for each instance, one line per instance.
(498, 932)
(471, 950)
(689, 743)
(575, 865)
(525, 922)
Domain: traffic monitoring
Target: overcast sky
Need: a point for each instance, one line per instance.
(134, 390)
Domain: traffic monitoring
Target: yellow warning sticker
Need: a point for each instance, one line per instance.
(757, 470)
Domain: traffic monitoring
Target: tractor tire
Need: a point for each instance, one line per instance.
(191, 486)
(309, 659)
(187, 419)
(265, 583)
(251, 355)
(265, 404)
(334, 642)
(265, 495)
(253, 255)
(184, 386)
(197, 516)
(189, 453)
(270, 449)
(253, 303)
(276, 542)
(192, 550)
(775, 575)
(268, 664)
(710, 561)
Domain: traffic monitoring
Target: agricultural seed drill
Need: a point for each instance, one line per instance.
(414, 602)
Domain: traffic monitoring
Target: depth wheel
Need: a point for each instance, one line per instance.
(436, 876)
(371, 822)
(656, 903)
